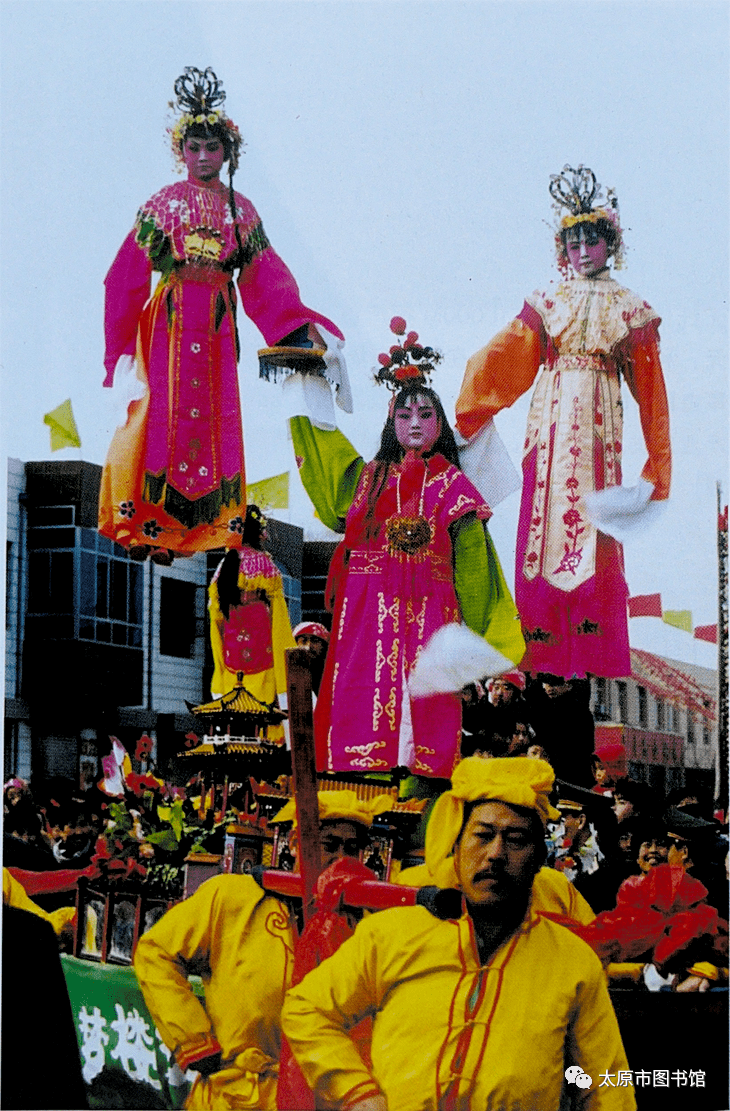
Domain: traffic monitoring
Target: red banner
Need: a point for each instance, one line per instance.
(645, 605)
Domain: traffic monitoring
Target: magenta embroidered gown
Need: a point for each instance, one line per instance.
(174, 475)
(388, 604)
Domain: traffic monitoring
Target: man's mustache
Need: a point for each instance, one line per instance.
(488, 874)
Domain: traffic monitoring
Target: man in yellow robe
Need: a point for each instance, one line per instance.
(240, 941)
(484, 1011)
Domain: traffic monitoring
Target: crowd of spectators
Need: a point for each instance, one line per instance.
(611, 827)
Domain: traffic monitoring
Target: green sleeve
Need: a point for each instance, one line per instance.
(329, 468)
(486, 603)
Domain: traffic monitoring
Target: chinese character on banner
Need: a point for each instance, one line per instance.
(607, 1080)
(623, 1079)
(93, 1040)
(661, 1078)
(642, 1079)
(697, 1078)
(680, 1078)
(135, 1047)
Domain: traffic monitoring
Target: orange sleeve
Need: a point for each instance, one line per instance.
(643, 372)
(497, 375)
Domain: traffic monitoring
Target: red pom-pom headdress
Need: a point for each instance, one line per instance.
(406, 362)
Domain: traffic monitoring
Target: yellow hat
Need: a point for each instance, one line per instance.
(342, 806)
(516, 780)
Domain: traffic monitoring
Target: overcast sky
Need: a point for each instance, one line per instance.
(399, 155)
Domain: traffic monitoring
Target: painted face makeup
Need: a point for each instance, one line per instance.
(587, 250)
(204, 158)
(417, 425)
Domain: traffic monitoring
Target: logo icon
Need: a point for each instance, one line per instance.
(575, 1075)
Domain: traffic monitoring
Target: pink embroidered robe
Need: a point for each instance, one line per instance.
(387, 605)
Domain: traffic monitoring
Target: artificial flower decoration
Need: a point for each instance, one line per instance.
(406, 362)
(144, 747)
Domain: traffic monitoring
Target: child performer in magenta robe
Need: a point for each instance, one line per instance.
(416, 559)
(174, 477)
(581, 336)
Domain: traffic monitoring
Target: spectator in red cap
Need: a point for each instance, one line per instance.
(506, 689)
(608, 764)
(313, 638)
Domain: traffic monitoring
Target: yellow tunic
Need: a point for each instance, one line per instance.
(449, 1033)
(240, 941)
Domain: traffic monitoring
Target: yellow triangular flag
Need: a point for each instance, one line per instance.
(64, 432)
(270, 493)
(681, 619)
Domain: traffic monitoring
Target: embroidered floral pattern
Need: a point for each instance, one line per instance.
(387, 611)
(379, 708)
(127, 509)
(419, 617)
(540, 636)
(365, 750)
(152, 529)
(588, 628)
(573, 520)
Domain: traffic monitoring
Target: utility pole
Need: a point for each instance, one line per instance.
(722, 654)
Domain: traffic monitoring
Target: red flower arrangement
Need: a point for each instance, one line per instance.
(144, 747)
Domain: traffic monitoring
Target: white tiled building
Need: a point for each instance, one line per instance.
(665, 715)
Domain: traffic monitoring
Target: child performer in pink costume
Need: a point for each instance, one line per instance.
(174, 478)
(416, 558)
(581, 336)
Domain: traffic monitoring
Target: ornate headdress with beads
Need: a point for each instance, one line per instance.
(199, 98)
(578, 192)
(406, 362)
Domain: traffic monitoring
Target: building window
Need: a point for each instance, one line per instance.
(623, 701)
(177, 618)
(706, 732)
(673, 719)
(80, 584)
(293, 596)
(51, 553)
(110, 592)
(636, 771)
(643, 714)
(602, 711)
(660, 714)
(690, 729)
